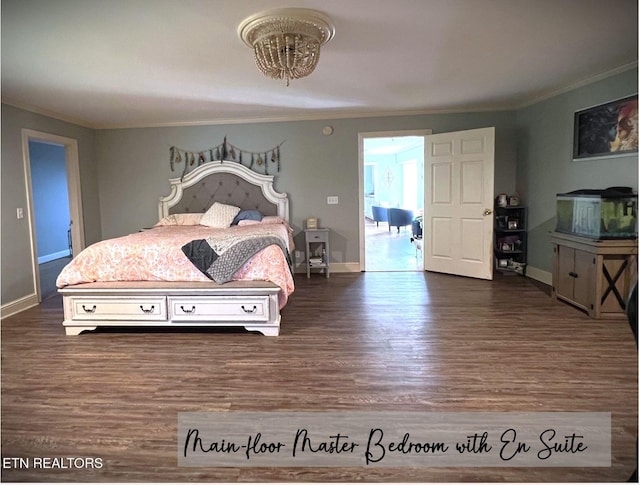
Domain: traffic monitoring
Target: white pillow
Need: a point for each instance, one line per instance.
(219, 215)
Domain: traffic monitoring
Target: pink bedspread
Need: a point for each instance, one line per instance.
(156, 255)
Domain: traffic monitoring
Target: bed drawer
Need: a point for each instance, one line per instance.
(227, 309)
(112, 308)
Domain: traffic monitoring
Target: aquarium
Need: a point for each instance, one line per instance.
(599, 213)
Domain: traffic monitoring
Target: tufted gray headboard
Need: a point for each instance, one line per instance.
(225, 182)
(227, 189)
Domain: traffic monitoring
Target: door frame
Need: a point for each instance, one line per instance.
(74, 194)
(361, 137)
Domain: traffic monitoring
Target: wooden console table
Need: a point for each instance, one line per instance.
(594, 275)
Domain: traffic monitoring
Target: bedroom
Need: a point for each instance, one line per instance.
(533, 146)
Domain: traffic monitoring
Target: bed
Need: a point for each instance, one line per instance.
(163, 277)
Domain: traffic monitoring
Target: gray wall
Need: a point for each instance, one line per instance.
(17, 275)
(133, 166)
(545, 165)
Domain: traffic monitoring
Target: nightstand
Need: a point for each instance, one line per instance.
(317, 250)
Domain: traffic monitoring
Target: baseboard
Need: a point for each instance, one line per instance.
(539, 275)
(19, 305)
(50, 257)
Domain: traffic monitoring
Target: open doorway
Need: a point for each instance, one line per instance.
(51, 211)
(391, 199)
(54, 209)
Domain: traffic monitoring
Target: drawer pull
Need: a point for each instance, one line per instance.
(193, 309)
(573, 275)
(247, 310)
(150, 310)
(89, 310)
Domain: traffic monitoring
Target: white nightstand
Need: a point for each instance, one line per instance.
(317, 250)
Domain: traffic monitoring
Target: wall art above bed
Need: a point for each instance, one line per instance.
(225, 151)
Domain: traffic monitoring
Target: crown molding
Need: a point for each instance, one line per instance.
(577, 84)
(50, 114)
(311, 116)
(332, 115)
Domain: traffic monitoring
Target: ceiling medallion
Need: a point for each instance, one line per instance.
(286, 42)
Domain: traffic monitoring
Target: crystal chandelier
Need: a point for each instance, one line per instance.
(286, 42)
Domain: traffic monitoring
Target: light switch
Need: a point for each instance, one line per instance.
(20, 213)
(333, 199)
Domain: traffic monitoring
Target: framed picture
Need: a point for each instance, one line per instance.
(506, 246)
(607, 130)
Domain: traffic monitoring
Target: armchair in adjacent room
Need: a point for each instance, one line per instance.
(379, 214)
(400, 218)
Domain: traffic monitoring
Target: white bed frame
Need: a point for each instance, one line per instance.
(249, 304)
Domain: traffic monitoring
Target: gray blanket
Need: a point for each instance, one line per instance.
(219, 258)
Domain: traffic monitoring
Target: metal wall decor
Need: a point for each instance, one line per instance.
(225, 152)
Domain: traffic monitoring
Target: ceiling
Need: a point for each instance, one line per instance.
(134, 63)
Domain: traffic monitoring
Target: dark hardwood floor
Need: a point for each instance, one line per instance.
(404, 341)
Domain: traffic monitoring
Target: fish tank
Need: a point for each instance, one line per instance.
(599, 213)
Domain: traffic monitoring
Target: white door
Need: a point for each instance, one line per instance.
(458, 221)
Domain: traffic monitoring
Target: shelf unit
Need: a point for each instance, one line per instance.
(510, 239)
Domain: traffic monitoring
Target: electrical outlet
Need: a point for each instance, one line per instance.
(333, 199)
(20, 213)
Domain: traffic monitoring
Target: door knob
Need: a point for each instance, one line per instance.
(487, 212)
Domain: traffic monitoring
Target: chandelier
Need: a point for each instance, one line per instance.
(286, 42)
